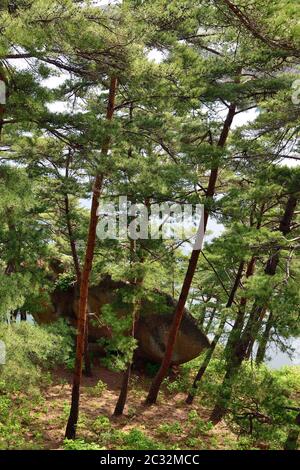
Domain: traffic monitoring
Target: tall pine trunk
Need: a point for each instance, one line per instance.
(84, 286)
(241, 344)
(207, 327)
(120, 405)
(209, 354)
(239, 320)
(261, 351)
(2, 105)
(77, 268)
(155, 386)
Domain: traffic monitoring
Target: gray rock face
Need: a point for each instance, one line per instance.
(152, 328)
(152, 334)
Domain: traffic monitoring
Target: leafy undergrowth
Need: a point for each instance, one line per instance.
(31, 351)
(35, 391)
(171, 425)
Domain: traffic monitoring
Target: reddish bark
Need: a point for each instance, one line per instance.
(126, 376)
(84, 287)
(77, 267)
(155, 386)
(120, 405)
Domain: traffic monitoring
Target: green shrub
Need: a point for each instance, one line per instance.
(80, 444)
(15, 420)
(97, 390)
(170, 429)
(30, 351)
(101, 425)
(135, 439)
(197, 425)
(259, 407)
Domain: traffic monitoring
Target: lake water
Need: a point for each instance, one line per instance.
(279, 359)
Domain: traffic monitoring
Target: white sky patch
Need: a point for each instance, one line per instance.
(156, 56)
(290, 162)
(244, 118)
(214, 230)
(55, 81)
(58, 107)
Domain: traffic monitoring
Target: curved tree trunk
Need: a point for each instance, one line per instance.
(209, 354)
(261, 351)
(119, 409)
(2, 104)
(239, 320)
(155, 386)
(84, 286)
(72, 241)
(210, 320)
(253, 324)
(120, 405)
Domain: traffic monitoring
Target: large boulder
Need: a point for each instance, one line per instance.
(152, 328)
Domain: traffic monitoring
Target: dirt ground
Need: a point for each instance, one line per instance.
(99, 400)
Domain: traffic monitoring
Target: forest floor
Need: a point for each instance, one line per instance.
(170, 424)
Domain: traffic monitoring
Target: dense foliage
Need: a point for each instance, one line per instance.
(187, 102)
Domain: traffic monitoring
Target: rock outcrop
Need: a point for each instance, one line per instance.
(152, 328)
